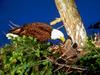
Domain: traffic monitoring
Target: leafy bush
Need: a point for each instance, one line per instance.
(26, 56)
(91, 60)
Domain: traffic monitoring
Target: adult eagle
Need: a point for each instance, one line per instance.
(42, 31)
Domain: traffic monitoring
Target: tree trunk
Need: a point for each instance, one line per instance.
(72, 21)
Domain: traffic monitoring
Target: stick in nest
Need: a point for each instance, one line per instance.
(67, 66)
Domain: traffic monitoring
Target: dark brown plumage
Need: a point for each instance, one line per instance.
(41, 31)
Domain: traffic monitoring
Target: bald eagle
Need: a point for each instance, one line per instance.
(42, 31)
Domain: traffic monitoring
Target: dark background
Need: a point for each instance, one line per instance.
(27, 11)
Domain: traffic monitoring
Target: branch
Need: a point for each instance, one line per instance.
(64, 65)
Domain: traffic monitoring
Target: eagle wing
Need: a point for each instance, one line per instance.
(41, 31)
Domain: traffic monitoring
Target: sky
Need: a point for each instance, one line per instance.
(28, 11)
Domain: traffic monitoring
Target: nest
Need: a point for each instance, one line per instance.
(69, 55)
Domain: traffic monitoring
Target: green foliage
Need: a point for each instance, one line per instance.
(25, 56)
(91, 60)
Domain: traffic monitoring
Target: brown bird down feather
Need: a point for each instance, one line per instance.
(41, 31)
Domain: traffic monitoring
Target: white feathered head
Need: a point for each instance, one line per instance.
(57, 34)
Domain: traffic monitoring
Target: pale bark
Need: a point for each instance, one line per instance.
(72, 21)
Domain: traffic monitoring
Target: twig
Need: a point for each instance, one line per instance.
(60, 27)
(61, 66)
(15, 25)
(71, 67)
(55, 21)
(68, 69)
(67, 66)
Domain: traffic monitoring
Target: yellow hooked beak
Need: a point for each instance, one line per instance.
(62, 39)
